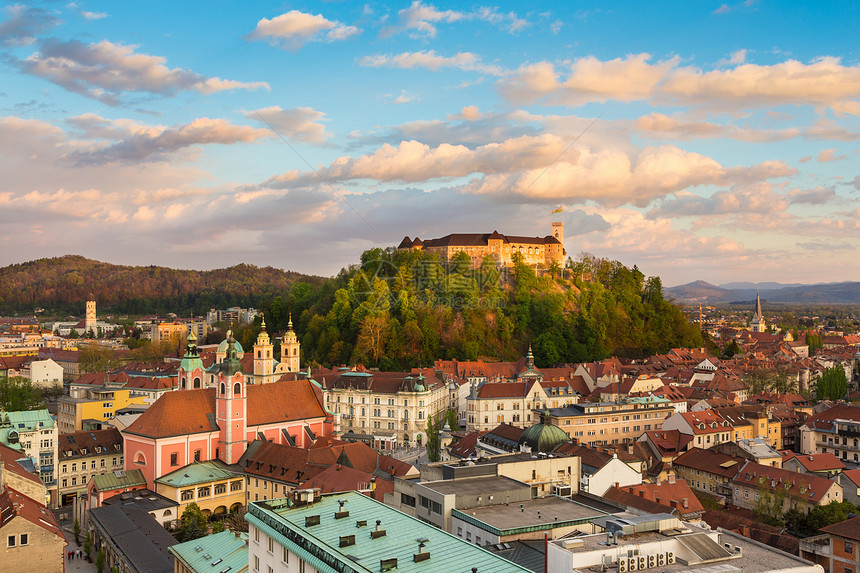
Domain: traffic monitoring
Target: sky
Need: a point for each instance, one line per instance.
(697, 140)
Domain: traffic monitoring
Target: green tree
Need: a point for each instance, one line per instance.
(832, 385)
(769, 505)
(88, 547)
(97, 359)
(452, 421)
(192, 525)
(432, 440)
(100, 560)
(77, 529)
(218, 526)
(17, 394)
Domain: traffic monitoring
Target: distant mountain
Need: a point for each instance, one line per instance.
(63, 284)
(760, 286)
(700, 292)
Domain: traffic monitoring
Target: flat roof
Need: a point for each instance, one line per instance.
(321, 544)
(755, 557)
(473, 485)
(547, 512)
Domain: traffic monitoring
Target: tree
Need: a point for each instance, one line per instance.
(17, 394)
(769, 505)
(100, 560)
(77, 530)
(192, 525)
(88, 547)
(97, 359)
(452, 421)
(218, 527)
(432, 440)
(832, 385)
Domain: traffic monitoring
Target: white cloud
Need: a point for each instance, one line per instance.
(155, 144)
(294, 29)
(430, 60)
(419, 20)
(823, 82)
(24, 23)
(108, 72)
(93, 15)
(827, 155)
(298, 124)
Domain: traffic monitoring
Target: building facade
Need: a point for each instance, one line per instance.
(535, 251)
(602, 423)
(83, 455)
(34, 434)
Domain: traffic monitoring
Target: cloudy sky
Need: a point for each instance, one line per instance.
(698, 140)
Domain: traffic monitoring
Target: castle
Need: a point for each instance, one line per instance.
(536, 251)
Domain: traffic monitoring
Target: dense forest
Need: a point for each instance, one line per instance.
(61, 285)
(405, 308)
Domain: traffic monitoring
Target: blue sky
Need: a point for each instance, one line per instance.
(697, 140)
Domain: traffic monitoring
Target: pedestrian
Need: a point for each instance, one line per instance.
(68, 555)
(71, 554)
(78, 555)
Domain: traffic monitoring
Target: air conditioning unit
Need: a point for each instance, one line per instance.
(661, 559)
(622, 565)
(652, 561)
(670, 558)
(642, 562)
(633, 564)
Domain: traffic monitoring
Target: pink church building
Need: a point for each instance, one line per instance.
(186, 426)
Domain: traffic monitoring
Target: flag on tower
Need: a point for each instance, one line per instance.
(558, 210)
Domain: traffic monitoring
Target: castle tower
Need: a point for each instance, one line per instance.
(231, 406)
(290, 349)
(264, 359)
(90, 323)
(191, 366)
(758, 324)
(558, 231)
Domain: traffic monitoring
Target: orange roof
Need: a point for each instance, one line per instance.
(14, 504)
(192, 411)
(814, 462)
(10, 457)
(344, 478)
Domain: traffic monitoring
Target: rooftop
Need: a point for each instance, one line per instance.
(138, 537)
(198, 472)
(473, 485)
(541, 513)
(322, 545)
(225, 549)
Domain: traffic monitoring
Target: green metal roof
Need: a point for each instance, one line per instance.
(214, 552)
(119, 479)
(320, 544)
(31, 420)
(198, 472)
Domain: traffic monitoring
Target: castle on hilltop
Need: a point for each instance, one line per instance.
(536, 251)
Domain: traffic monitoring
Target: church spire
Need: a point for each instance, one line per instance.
(530, 358)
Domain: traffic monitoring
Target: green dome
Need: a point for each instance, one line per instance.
(231, 364)
(544, 436)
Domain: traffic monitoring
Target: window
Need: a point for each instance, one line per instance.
(271, 547)
(65, 482)
(196, 455)
(256, 535)
(93, 465)
(468, 536)
(849, 547)
(285, 555)
(459, 532)
(256, 563)
(174, 460)
(24, 538)
(236, 485)
(10, 541)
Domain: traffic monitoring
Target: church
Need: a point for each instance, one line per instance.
(217, 411)
(535, 251)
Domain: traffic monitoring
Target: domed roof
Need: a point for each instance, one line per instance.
(191, 360)
(544, 436)
(222, 348)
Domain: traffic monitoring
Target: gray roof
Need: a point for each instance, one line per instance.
(141, 541)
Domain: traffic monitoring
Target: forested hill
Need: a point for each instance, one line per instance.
(399, 309)
(62, 285)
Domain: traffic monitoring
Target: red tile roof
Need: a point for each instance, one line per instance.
(814, 462)
(89, 443)
(10, 458)
(14, 504)
(710, 461)
(192, 411)
(338, 478)
(809, 487)
(504, 390)
(850, 528)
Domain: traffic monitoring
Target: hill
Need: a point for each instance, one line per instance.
(700, 292)
(398, 309)
(63, 284)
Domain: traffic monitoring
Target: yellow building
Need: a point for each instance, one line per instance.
(535, 251)
(89, 407)
(215, 488)
(82, 455)
(604, 423)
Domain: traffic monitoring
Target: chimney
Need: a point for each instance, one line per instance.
(686, 503)
(671, 478)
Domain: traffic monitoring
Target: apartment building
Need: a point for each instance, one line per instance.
(90, 406)
(392, 407)
(799, 491)
(34, 434)
(835, 431)
(708, 470)
(600, 423)
(706, 427)
(83, 455)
